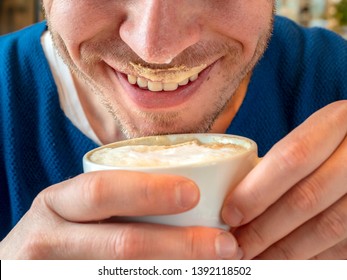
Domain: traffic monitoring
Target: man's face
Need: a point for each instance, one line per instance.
(161, 66)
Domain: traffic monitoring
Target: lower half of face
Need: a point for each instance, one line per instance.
(144, 107)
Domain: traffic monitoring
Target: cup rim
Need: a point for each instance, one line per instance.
(252, 148)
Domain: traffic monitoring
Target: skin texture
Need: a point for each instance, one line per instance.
(291, 206)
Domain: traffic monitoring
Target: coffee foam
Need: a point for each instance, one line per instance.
(187, 153)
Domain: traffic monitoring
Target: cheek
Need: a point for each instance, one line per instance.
(243, 22)
(79, 21)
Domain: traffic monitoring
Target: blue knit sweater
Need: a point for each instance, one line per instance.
(301, 71)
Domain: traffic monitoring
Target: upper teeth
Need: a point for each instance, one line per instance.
(160, 86)
(164, 79)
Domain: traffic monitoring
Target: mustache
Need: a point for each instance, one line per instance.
(120, 54)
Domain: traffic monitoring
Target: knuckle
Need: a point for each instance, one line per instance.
(195, 244)
(39, 201)
(256, 236)
(93, 190)
(35, 246)
(293, 156)
(255, 205)
(190, 241)
(147, 193)
(283, 251)
(198, 243)
(305, 197)
(127, 244)
(331, 225)
(257, 196)
(40, 207)
(43, 199)
(158, 191)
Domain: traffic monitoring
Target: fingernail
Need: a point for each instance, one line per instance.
(232, 216)
(187, 194)
(226, 247)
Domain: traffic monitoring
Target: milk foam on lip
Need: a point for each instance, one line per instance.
(188, 153)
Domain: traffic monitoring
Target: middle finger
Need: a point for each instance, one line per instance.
(305, 200)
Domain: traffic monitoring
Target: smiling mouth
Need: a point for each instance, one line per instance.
(157, 80)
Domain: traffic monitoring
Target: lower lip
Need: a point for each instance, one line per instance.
(163, 99)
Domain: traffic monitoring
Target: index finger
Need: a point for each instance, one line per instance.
(100, 195)
(289, 161)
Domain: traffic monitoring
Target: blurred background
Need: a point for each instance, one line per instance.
(16, 14)
(331, 14)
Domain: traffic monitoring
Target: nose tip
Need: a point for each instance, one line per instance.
(160, 33)
(154, 47)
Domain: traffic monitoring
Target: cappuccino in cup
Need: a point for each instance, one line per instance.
(187, 153)
(215, 162)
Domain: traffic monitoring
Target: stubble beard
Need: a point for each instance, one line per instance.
(163, 122)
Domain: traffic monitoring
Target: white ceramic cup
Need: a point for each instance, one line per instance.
(215, 178)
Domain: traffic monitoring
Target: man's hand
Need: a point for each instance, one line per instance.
(293, 205)
(70, 221)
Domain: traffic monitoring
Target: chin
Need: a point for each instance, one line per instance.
(165, 127)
